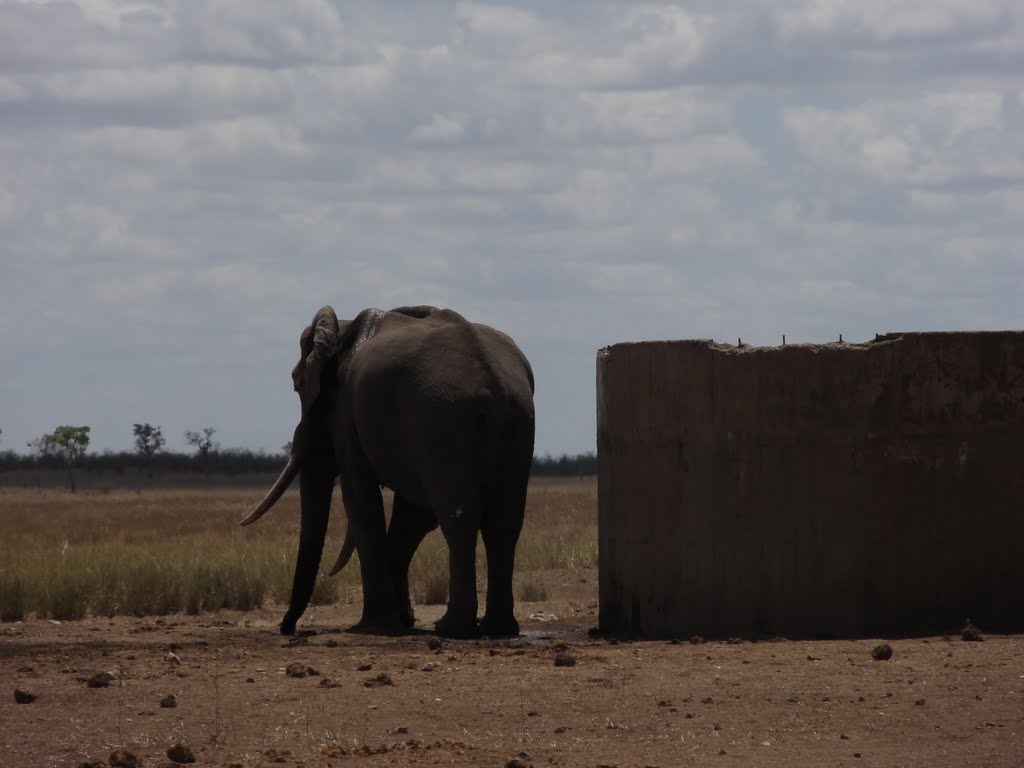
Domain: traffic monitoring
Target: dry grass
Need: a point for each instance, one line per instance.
(66, 556)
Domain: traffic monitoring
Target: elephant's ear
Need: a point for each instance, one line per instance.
(318, 344)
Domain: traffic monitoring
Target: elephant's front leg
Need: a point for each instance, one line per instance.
(460, 531)
(409, 524)
(365, 509)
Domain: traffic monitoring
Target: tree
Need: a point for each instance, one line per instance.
(287, 448)
(203, 442)
(67, 443)
(44, 445)
(148, 441)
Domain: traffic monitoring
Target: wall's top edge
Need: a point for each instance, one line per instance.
(886, 338)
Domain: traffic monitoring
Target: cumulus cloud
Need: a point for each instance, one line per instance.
(182, 185)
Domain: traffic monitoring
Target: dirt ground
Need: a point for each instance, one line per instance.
(377, 701)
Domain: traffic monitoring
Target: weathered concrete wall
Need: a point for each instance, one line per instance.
(809, 491)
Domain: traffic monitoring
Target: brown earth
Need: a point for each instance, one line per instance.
(936, 702)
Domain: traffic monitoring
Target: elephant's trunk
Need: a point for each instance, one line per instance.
(280, 486)
(316, 485)
(346, 552)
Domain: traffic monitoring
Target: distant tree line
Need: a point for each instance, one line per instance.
(565, 465)
(66, 449)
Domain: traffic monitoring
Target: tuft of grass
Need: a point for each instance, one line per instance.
(532, 592)
(428, 574)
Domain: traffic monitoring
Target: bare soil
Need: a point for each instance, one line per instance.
(359, 700)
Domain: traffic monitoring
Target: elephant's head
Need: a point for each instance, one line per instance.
(318, 345)
(323, 344)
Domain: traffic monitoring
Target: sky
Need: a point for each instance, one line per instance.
(183, 185)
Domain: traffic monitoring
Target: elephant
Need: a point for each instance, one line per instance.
(438, 409)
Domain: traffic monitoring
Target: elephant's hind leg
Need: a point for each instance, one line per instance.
(501, 524)
(409, 524)
(461, 529)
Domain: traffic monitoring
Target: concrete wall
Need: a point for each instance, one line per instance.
(812, 491)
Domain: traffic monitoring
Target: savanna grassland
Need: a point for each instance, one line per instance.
(155, 552)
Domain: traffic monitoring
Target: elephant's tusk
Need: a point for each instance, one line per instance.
(283, 481)
(346, 552)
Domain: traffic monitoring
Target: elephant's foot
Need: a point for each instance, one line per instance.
(288, 625)
(458, 627)
(507, 626)
(390, 623)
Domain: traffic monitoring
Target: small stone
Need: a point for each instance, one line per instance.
(697, 640)
(431, 666)
(300, 670)
(329, 683)
(364, 667)
(707, 700)
(844, 737)
(971, 633)
(332, 643)
(734, 641)
(882, 652)
(23, 697)
(435, 644)
(172, 657)
(123, 759)
(100, 680)
(383, 679)
(250, 679)
(402, 729)
(561, 729)
(919, 702)
(180, 753)
(565, 660)
(93, 764)
(857, 755)
(515, 762)
(169, 702)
